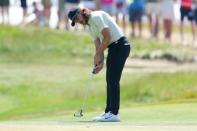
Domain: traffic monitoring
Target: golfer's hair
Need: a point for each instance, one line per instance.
(86, 14)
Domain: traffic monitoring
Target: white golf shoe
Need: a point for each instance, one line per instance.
(107, 117)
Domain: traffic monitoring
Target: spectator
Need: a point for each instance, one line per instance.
(39, 15)
(47, 11)
(136, 10)
(61, 13)
(24, 7)
(152, 11)
(186, 11)
(195, 10)
(90, 4)
(98, 4)
(167, 14)
(121, 8)
(107, 6)
(70, 4)
(195, 14)
(4, 7)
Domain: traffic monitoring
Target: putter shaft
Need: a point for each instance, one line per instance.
(80, 112)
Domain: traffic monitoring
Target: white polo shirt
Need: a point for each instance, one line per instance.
(98, 21)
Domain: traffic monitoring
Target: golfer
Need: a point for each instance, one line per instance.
(106, 34)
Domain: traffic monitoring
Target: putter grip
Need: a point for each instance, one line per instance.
(94, 70)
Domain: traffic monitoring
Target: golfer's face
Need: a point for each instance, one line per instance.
(80, 19)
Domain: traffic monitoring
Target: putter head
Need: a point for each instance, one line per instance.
(79, 113)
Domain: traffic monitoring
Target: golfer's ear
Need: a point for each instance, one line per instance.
(83, 10)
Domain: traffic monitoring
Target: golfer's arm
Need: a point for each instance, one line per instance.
(106, 41)
(97, 43)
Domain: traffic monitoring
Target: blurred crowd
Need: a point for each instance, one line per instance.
(128, 14)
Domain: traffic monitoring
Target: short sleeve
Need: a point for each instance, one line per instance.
(100, 23)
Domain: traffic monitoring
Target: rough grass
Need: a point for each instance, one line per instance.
(34, 45)
(38, 45)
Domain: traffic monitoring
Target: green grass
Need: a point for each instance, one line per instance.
(38, 45)
(34, 45)
(145, 114)
(44, 72)
(137, 114)
(45, 89)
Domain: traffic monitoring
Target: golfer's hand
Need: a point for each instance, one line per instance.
(98, 59)
(98, 68)
(98, 62)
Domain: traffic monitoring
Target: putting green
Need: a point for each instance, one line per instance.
(166, 113)
(155, 117)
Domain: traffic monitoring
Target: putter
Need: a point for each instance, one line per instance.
(80, 112)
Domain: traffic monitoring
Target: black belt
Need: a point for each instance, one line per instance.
(122, 41)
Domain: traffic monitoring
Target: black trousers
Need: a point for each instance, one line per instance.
(117, 55)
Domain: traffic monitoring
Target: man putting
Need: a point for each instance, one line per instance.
(106, 34)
